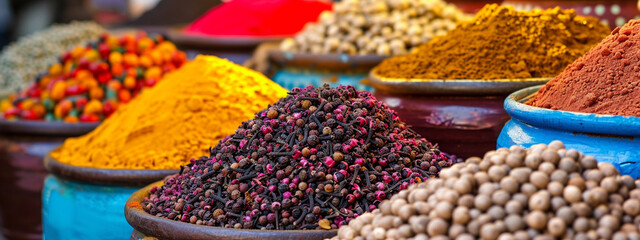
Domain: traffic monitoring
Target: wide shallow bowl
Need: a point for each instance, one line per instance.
(179, 36)
(300, 69)
(464, 118)
(460, 87)
(237, 49)
(23, 145)
(162, 228)
(73, 194)
(609, 138)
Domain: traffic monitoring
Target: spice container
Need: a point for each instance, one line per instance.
(233, 30)
(346, 43)
(90, 82)
(165, 229)
(23, 60)
(79, 202)
(300, 70)
(612, 139)
(594, 104)
(23, 145)
(313, 160)
(456, 81)
(463, 116)
(544, 192)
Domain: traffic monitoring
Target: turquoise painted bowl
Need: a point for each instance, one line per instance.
(609, 138)
(86, 203)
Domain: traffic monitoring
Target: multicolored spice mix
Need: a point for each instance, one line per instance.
(21, 61)
(180, 106)
(544, 192)
(315, 160)
(89, 82)
(501, 43)
(604, 81)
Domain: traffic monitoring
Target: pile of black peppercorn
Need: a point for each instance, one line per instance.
(315, 160)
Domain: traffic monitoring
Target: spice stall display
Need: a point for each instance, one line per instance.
(24, 59)
(314, 160)
(234, 29)
(593, 104)
(453, 87)
(188, 111)
(545, 192)
(89, 82)
(68, 99)
(346, 43)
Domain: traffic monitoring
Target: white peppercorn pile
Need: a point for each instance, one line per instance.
(23, 60)
(382, 27)
(545, 192)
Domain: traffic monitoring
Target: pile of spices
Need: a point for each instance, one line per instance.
(382, 27)
(545, 192)
(603, 81)
(501, 43)
(188, 111)
(314, 160)
(246, 18)
(89, 82)
(21, 61)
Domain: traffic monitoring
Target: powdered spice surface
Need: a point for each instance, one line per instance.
(501, 43)
(606, 80)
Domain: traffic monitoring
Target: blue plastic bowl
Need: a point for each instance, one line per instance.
(609, 138)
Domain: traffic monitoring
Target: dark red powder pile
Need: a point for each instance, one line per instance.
(606, 80)
(247, 18)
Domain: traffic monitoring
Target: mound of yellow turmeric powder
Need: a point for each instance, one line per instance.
(188, 111)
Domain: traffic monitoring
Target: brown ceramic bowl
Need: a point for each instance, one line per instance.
(104, 176)
(335, 62)
(23, 145)
(464, 117)
(161, 228)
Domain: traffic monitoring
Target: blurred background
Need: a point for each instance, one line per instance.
(21, 17)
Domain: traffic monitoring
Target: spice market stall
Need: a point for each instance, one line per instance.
(593, 105)
(544, 192)
(234, 29)
(346, 43)
(81, 87)
(314, 160)
(145, 141)
(452, 88)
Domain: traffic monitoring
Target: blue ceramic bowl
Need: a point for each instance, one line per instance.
(609, 138)
(86, 203)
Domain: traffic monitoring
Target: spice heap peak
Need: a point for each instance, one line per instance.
(603, 81)
(178, 119)
(501, 43)
(314, 160)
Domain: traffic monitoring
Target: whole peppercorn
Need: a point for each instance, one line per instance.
(306, 162)
(565, 207)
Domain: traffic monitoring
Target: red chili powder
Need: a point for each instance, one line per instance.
(606, 80)
(258, 17)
